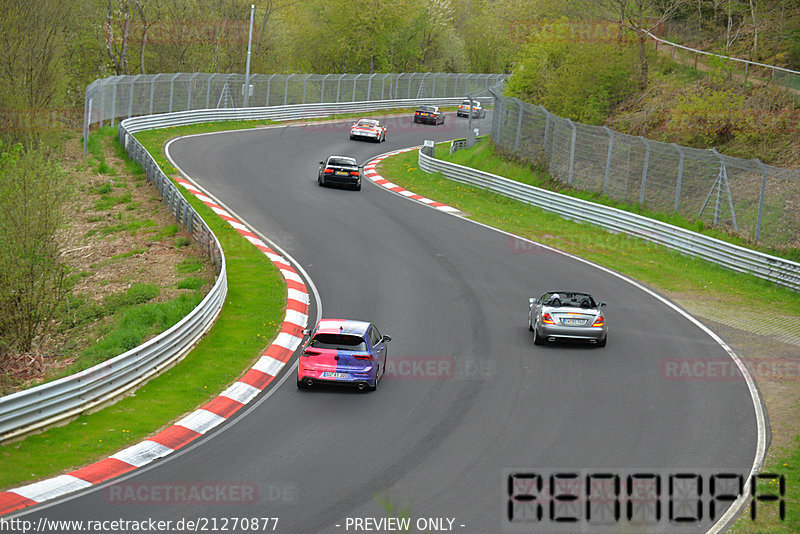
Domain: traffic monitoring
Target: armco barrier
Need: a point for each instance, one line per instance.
(57, 401)
(778, 270)
(37, 407)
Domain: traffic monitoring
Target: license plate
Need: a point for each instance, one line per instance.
(331, 374)
(574, 322)
(341, 173)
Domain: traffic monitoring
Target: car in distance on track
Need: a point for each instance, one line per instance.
(567, 315)
(368, 129)
(340, 170)
(478, 111)
(343, 351)
(429, 114)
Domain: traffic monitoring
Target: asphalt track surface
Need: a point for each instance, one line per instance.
(434, 442)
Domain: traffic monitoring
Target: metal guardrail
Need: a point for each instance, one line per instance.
(41, 406)
(781, 271)
(277, 113)
(118, 97)
(745, 196)
(54, 402)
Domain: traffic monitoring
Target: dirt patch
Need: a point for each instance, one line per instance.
(118, 234)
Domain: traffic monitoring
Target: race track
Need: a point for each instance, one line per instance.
(437, 440)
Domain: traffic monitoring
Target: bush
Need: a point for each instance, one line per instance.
(32, 193)
(566, 77)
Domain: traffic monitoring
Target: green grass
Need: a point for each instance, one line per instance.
(656, 266)
(485, 157)
(134, 325)
(134, 252)
(168, 231)
(251, 316)
(189, 265)
(192, 282)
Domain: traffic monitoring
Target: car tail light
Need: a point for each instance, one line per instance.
(546, 319)
(328, 171)
(599, 321)
(353, 173)
(362, 356)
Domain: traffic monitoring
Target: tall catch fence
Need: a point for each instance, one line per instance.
(744, 196)
(117, 97)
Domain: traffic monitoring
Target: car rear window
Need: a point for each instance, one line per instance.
(342, 161)
(426, 108)
(338, 341)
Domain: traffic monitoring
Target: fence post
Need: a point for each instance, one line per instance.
(433, 88)
(369, 86)
(355, 81)
(680, 175)
(305, 84)
(322, 91)
(761, 197)
(103, 102)
(130, 99)
(208, 91)
(339, 87)
(286, 92)
(87, 123)
(547, 127)
(172, 90)
(152, 92)
(644, 170)
(519, 125)
(113, 102)
(610, 133)
(572, 150)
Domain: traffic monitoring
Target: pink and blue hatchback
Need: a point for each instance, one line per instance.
(342, 351)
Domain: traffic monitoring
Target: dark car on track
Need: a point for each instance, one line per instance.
(340, 170)
(478, 111)
(567, 315)
(343, 351)
(429, 115)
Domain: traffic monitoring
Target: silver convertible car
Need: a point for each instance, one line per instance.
(567, 315)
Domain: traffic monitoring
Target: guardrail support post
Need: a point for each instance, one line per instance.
(355, 81)
(608, 157)
(644, 169)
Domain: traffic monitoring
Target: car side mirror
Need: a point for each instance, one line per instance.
(306, 332)
(386, 339)
(322, 163)
(601, 304)
(532, 301)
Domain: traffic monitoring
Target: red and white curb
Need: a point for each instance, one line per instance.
(204, 418)
(372, 174)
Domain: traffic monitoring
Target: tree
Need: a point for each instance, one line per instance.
(32, 192)
(639, 16)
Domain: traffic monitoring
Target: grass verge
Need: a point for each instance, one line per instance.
(483, 156)
(250, 318)
(658, 267)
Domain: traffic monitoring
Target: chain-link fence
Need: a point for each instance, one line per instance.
(736, 66)
(125, 96)
(755, 200)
